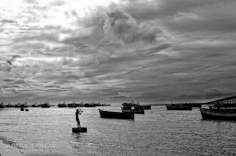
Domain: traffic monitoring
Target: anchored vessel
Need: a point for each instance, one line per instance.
(178, 107)
(222, 109)
(116, 115)
(130, 107)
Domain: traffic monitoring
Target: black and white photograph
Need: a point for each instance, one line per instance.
(117, 78)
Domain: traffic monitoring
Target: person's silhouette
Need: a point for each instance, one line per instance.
(77, 113)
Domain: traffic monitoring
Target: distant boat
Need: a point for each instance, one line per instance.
(72, 105)
(34, 105)
(8, 105)
(116, 115)
(62, 105)
(147, 107)
(1, 105)
(178, 107)
(196, 104)
(89, 105)
(45, 105)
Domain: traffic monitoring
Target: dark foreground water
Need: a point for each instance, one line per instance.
(158, 132)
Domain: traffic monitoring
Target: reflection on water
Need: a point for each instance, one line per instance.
(157, 132)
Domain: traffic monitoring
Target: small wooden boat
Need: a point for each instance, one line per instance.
(116, 115)
(178, 107)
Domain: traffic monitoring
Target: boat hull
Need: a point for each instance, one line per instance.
(217, 114)
(116, 115)
(136, 111)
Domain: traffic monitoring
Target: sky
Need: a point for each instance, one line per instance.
(115, 51)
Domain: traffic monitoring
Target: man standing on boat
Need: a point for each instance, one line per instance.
(77, 113)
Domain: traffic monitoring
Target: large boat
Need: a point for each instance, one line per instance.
(130, 107)
(178, 107)
(116, 115)
(222, 109)
(209, 113)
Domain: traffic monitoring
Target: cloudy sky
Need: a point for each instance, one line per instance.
(149, 51)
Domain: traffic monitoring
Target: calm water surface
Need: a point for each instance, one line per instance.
(158, 132)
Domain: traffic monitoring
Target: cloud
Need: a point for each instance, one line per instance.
(218, 92)
(188, 95)
(121, 27)
(151, 50)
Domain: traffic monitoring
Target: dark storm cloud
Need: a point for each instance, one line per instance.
(161, 8)
(184, 15)
(218, 92)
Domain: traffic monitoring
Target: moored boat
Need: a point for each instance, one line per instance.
(129, 107)
(1, 105)
(45, 105)
(208, 113)
(147, 107)
(222, 109)
(116, 115)
(60, 105)
(136, 109)
(178, 107)
(72, 105)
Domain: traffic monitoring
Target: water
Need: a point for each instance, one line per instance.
(158, 132)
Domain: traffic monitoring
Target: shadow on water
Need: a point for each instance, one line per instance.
(76, 136)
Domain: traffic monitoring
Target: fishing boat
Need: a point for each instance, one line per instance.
(218, 114)
(1, 105)
(116, 115)
(222, 109)
(129, 107)
(34, 105)
(136, 109)
(72, 105)
(178, 107)
(62, 105)
(45, 105)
